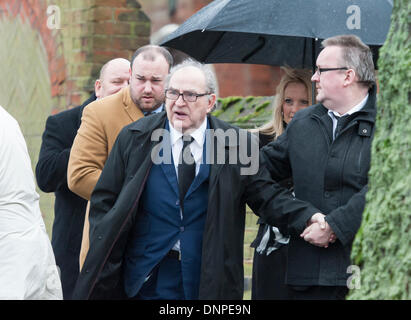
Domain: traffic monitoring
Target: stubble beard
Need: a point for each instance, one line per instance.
(145, 107)
(148, 107)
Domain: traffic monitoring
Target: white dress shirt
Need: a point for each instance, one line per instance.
(196, 148)
(356, 108)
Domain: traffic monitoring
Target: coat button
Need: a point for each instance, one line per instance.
(326, 194)
(364, 130)
(99, 237)
(181, 229)
(177, 203)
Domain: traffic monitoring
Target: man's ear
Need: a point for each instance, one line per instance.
(350, 76)
(97, 88)
(211, 102)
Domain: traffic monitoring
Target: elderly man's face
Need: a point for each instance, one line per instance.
(330, 83)
(187, 116)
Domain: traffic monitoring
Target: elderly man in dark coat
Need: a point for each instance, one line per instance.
(51, 173)
(167, 218)
(329, 166)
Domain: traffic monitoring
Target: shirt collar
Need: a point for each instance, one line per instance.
(198, 134)
(158, 110)
(356, 108)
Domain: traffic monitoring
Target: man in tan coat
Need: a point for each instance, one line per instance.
(103, 119)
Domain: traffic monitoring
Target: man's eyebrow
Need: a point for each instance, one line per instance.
(154, 77)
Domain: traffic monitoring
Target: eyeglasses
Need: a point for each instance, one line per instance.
(187, 95)
(321, 70)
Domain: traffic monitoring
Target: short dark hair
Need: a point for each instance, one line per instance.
(150, 51)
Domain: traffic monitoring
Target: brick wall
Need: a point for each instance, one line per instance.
(94, 32)
(51, 52)
(79, 36)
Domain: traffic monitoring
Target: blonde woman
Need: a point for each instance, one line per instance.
(270, 256)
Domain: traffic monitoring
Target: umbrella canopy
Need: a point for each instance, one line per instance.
(277, 32)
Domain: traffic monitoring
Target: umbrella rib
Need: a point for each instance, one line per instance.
(262, 41)
(313, 65)
(214, 45)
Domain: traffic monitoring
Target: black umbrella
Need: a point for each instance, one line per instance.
(277, 32)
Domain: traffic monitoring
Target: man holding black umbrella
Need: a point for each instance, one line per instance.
(329, 166)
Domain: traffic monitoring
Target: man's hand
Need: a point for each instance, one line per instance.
(318, 231)
(319, 218)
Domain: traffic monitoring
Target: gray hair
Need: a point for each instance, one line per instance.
(209, 75)
(356, 55)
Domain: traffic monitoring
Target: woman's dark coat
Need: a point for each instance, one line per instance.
(115, 202)
(333, 177)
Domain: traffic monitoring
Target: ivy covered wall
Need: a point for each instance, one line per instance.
(382, 248)
(245, 112)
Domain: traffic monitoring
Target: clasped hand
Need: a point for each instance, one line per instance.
(318, 232)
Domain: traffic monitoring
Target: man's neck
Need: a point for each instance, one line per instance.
(352, 99)
(179, 132)
(151, 111)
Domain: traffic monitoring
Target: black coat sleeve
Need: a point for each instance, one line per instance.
(276, 204)
(346, 220)
(51, 168)
(268, 199)
(274, 156)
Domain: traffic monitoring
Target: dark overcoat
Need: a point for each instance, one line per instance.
(115, 206)
(69, 209)
(333, 177)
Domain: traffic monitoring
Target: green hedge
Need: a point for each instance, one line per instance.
(382, 248)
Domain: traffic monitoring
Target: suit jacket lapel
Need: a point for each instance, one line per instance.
(170, 173)
(202, 175)
(168, 165)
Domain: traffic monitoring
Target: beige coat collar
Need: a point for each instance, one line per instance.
(130, 107)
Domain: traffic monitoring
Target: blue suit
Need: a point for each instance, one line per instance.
(158, 227)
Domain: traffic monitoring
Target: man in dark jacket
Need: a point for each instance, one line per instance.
(329, 165)
(51, 173)
(167, 218)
